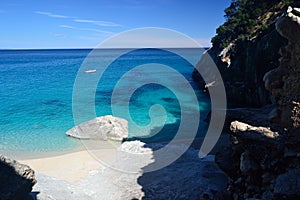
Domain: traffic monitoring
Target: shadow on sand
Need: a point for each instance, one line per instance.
(188, 177)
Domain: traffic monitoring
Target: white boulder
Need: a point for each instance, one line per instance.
(104, 128)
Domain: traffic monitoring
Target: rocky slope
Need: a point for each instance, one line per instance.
(263, 158)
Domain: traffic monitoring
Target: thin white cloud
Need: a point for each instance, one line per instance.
(86, 29)
(95, 30)
(84, 21)
(49, 14)
(67, 26)
(95, 22)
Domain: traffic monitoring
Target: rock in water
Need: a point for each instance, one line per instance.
(104, 127)
(16, 179)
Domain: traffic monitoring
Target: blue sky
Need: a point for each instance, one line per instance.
(84, 24)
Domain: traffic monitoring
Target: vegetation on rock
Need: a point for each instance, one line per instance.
(247, 19)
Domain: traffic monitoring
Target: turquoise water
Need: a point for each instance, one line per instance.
(36, 95)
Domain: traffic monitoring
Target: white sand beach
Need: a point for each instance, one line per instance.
(90, 174)
(70, 167)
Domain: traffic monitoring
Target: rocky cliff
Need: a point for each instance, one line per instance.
(283, 81)
(263, 158)
(244, 62)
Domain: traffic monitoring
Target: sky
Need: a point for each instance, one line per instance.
(43, 24)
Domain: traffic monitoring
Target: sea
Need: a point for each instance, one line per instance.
(37, 94)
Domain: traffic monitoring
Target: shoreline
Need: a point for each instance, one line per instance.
(70, 165)
(76, 164)
(81, 174)
(29, 155)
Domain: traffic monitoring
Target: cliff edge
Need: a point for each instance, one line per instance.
(257, 53)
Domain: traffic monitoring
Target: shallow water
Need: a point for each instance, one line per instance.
(36, 95)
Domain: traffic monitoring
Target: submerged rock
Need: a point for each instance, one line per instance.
(16, 179)
(104, 127)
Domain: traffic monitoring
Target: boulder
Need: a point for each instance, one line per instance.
(247, 163)
(237, 126)
(17, 179)
(288, 184)
(104, 128)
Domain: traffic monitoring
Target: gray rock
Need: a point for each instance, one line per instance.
(104, 127)
(17, 179)
(247, 163)
(288, 184)
(226, 162)
(283, 82)
(237, 126)
(288, 26)
(134, 147)
(267, 195)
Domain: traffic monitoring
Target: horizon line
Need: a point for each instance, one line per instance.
(87, 48)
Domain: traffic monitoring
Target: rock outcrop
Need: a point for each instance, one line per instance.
(283, 82)
(263, 160)
(261, 163)
(17, 179)
(243, 64)
(243, 78)
(104, 128)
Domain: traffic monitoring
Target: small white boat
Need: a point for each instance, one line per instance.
(90, 71)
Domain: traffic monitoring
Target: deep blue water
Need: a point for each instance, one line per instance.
(36, 94)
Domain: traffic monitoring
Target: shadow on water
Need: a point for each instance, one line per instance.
(155, 136)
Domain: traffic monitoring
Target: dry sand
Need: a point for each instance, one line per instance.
(78, 175)
(75, 166)
(70, 167)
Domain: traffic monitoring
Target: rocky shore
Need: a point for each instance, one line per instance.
(263, 159)
(17, 179)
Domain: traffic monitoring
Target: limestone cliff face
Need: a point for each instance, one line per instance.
(243, 70)
(263, 162)
(264, 69)
(284, 81)
(244, 52)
